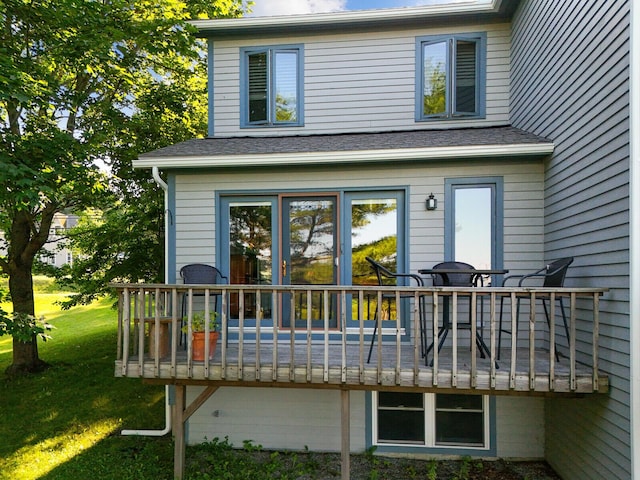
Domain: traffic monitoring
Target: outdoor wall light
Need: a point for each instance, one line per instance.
(432, 202)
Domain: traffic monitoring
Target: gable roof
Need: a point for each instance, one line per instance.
(348, 148)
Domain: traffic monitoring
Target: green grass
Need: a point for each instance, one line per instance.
(64, 423)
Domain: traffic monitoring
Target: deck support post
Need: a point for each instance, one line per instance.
(346, 434)
(181, 414)
(179, 433)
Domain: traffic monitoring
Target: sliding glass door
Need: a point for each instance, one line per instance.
(310, 239)
(309, 257)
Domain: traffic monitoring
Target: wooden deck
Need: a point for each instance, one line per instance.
(336, 357)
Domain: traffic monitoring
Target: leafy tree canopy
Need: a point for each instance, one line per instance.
(82, 81)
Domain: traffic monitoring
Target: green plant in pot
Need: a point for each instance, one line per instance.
(198, 335)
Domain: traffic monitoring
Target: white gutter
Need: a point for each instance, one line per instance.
(167, 407)
(351, 156)
(634, 235)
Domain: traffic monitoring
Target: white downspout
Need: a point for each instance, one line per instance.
(167, 407)
(634, 235)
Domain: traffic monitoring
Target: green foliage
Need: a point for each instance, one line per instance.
(87, 81)
(24, 327)
(219, 460)
(198, 322)
(435, 94)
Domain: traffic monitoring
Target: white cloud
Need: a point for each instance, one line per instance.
(262, 8)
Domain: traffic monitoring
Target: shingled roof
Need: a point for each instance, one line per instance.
(424, 143)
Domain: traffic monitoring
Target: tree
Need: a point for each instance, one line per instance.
(72, 73)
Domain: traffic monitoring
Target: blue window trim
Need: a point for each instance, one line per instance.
(488, 451)
(481, 74)
(497, 186)
(244, 86)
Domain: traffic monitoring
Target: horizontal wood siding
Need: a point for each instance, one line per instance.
(523, 217)
(279, 418)
(570, 84)
(359, 82)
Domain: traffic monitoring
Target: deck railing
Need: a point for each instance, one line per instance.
(322, 335)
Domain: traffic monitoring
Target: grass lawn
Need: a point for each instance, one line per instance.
(65, 422)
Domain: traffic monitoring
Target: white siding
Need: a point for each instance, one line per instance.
(359, 82)
(570, 84)
(295, 419)
(520, 427)
(277, 418)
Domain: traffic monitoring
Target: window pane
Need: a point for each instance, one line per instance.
(466, 402)
(460, 428)
(251, 253)
(400, 399)
(401, 426)
(473, 226)
(258, 92)
(401, 417)
(459, 419)
(374, 234)
(286, 86)
(465, 76)
(435, 78)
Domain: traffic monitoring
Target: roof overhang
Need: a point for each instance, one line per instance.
(346, 157)
(489, 10)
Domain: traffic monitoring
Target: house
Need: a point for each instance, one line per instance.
(56, 252)
(328, 136)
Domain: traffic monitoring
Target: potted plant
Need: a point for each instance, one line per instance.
(198, 335)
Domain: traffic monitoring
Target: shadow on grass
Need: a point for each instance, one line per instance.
(65, 422)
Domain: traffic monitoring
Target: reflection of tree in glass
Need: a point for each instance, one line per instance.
(384, 251)
(311, 245)
(434, 88)
(251, 227)
(285, 109)
(363, 214)
(311, 222)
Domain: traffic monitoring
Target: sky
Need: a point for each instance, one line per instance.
(291, 7)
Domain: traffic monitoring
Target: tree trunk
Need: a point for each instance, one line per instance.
(25, 354)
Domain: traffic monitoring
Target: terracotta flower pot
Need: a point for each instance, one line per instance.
(197, 345)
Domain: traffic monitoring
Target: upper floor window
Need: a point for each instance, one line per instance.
(451, 71)
(271, 82)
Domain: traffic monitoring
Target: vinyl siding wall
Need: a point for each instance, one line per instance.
(359, 82)
(195, 220)
(570, 84)
(277, 418)
(292, 419)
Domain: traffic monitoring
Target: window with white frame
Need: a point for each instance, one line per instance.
(450, 76)
(271, 81)
(431, 420)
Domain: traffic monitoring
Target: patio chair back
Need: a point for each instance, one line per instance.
(199, 273)
(455, 279)
(556, 272)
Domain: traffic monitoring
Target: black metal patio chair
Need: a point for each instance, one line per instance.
(463, 279)
(553, 275)
(388, 278)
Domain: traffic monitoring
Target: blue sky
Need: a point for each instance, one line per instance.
(290, 7)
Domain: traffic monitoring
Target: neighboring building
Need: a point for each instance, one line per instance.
(56, 251)
(327, 135)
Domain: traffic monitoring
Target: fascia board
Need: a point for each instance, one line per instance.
(350, 157)
(220, 26)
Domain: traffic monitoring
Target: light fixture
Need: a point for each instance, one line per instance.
(432, 202)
